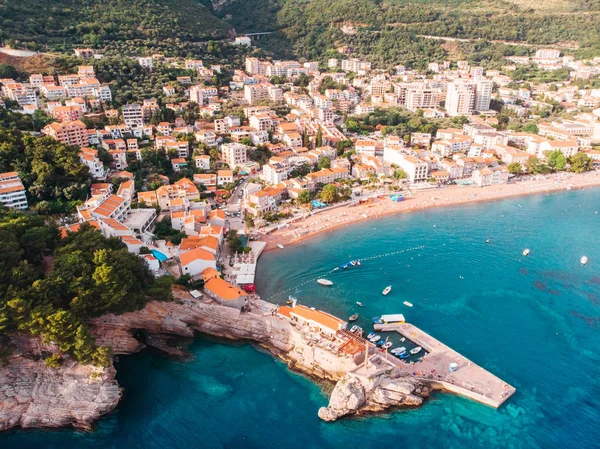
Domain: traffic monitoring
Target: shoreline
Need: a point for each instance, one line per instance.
(337, 218)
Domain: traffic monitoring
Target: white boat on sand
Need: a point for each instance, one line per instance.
(325, 282)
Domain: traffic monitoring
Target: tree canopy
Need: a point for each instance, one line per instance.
(50, 286)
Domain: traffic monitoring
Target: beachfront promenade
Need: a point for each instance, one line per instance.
(469, 379)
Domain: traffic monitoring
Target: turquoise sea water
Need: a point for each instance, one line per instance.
(534, 321)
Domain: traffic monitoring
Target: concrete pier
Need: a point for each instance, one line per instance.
(469, 379)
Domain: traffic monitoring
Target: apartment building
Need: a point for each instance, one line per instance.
(67, 113)
(69, 133)
(460, 98)
(483, 94)
(12, 191)
(416, 169)
(234, 154)
(89, 157)
(133, 115)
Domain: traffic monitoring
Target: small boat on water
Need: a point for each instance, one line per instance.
(487, 240)
(371, 335)
(291, 300)
(416, 350)
(280, 246)
(375, 339)
(354, 328)
(408, 304)
(386, 290)
(526, 252)
(359, 304)
(404, 355)
(387, 345)
(380, 343)
(402, 340)
(584, 260)
(353, 317)
(398, 351)
(389, 319)
(325, 282)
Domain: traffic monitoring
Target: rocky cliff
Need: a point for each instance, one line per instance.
(33, 395)
(354, 394)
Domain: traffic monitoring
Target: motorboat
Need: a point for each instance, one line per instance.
(408, 304)
(404, 355)
(389, 319)
(380, 343)
(487, 240)
(375, 339)
(526, 252)
(354, 328)
(280, 246)
(325, 282)
(353, 317)
(402, 340)
(416, 350)
(398, 351)
(584, 260)
(387, 345)
(387, 290)
(359, 304)
(371, 335)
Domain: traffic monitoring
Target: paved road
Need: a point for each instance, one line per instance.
(233, 206)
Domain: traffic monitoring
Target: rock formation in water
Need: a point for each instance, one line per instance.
(354, 394)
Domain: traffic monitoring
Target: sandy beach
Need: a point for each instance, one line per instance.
(329, 220)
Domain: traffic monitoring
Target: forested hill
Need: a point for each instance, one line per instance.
(46, 24)
(389, 30)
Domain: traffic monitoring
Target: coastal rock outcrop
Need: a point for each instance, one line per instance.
(183, 318)
(33, 395)
(355, 394)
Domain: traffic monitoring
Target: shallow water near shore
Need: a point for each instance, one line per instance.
(533, 321)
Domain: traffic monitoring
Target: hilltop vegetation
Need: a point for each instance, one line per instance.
(388, 31)
(57, 24)
(50, 286)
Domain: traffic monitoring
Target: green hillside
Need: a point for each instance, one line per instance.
(389, 30)
(49, 24)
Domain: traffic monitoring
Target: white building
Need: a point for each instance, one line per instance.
(234, 154)
(416, 169)
(12, 192)
(133, 115)
(483, 94)
(460, 98)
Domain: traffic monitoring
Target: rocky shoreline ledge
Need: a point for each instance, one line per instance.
(33, 395)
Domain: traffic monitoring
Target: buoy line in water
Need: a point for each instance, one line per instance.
(393, 253)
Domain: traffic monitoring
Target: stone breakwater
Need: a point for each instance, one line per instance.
(33, 395)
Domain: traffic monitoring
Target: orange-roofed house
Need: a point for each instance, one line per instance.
(148, 198)
(217, 217)
(207, 242)
(64, 230)
(315, 319)
(197, 260)
(224, 177)
(225, 293)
